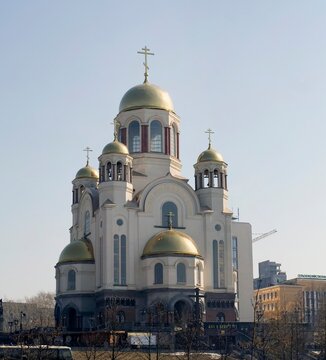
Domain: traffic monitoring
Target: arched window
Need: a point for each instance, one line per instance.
(120, 260)
(215, 179)
(181, 273)
(87, 223)
(221, 263)
(119, 171)
(156, 136)
(206, 178)
(116, 260)
(123, 260)
(167, 208)
(215, 264)
(220, 317)
(158, 273)
(120, 317)
(109, 171)
(173, 141)
(134, 137)
(71, 280)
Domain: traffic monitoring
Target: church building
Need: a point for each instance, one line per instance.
(143, 238)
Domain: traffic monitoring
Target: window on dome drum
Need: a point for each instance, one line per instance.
(71, 280)
(134, 137)
(158, 273)
(109, 171)
(169, 207)
(156, 136)
(87, 223)
(181, 273)
(119, 171)
(119, 260)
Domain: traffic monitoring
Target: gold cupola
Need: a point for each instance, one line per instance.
(77, 251)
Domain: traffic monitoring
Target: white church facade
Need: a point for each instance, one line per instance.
(142, 237)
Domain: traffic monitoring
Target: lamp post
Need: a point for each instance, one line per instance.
(22, 314)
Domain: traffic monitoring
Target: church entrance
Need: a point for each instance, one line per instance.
(72, 319)
(182, 313)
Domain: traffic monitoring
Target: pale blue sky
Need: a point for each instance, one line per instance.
(253, 71)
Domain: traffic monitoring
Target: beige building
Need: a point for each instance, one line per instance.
(303, 294)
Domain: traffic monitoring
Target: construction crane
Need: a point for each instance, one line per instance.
(257, 238)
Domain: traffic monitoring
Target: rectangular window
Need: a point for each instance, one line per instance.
(235, 252)
(123, 260)
(116, 259)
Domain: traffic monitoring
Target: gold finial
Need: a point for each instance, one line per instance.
(209, 132)
(145, 52)
(116, 126)
(88, 150)
(170, 219)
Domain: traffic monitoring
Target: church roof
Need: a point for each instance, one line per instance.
(170, 242)
(115, 147)
(210, 155)
(77, 251)
(148, 96)
(87, 172)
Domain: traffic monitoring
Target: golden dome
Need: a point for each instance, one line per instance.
(115, 147)
(146, 96)
(210, 155)
(87, 172)
(170, 242)
(77, 251)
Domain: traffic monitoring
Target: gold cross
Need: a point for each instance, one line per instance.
(116, 126)
(170, 221)
(209, 132)
(88, 150)
(145, 52)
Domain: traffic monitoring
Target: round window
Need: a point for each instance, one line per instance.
(119, 222)
(217, 227)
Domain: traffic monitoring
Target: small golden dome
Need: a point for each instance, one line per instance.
(146, 96)
(77, 251)
(210, 155)
(115, 147)
(87, 172)
(170, 242)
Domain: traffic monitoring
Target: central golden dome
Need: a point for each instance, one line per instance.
(170, 242)
(146, 96)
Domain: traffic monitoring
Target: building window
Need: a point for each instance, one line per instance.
(87, 223)
(109, 171)
(167, 208)
(215, 265)
(156, 136)
(119, 171)
(134, 137)
(181, 273)
(221, 263)
(116, 258)
(120, 260)
(158, 273)
(235, 252)
(71, 280)
(220, 317)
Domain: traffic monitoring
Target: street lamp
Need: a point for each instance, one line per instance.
(22, 314)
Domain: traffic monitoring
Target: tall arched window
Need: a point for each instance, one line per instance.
(216, 179)
(181, 273)
(221, 262)
(156, 136)
(158, 273)
(215, 264)
(173, 141)
(87, 223)
(71, 285)
(134, 137)
(116, 260)
(120, 260)
(167, 208)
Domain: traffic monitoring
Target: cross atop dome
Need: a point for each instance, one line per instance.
(88, 150)
(209, 132)
(145, 52)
